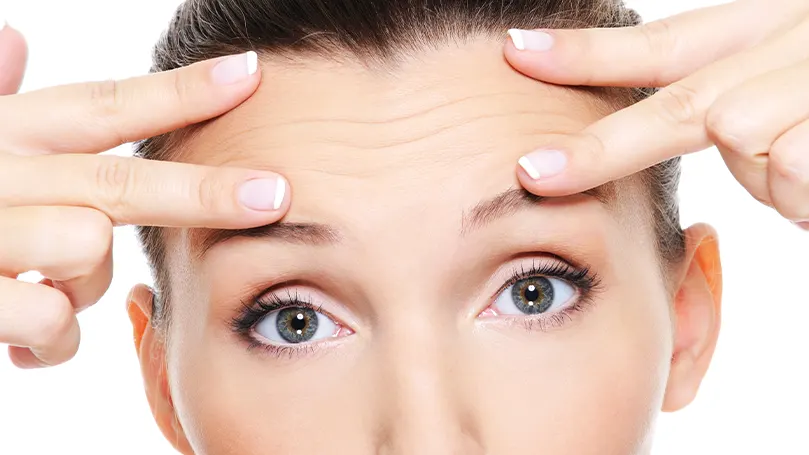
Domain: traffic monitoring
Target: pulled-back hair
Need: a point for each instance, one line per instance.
(378, 32)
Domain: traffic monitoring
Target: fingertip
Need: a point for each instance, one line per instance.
(533, 53)
(548, 173)
(239, 69)
(268, 195)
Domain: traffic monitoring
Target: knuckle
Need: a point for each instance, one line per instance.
(107, 103)
(209, 193)
(92, 237)
(731, 129)
(114, 184)
(679, 104)
(54, 321)
(180, 92)
(658, 36)
(786, 164)
(105, 97)
(593, 147)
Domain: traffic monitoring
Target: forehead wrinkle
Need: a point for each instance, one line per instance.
(374, 131)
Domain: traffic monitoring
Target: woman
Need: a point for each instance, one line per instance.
(530, 301)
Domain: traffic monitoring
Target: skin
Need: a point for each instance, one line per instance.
(59, 200)
(742, 90)
(424, 369)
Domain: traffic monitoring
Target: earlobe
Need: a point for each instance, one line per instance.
(150, 348)
(697, 317)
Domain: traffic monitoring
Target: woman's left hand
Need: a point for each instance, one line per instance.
(735, 76)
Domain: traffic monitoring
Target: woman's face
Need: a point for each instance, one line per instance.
(414, 300)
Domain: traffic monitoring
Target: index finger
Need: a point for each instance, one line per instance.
(654, 54)
(670, 123)
(95, 117)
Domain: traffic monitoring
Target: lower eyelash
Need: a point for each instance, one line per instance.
(586, 282)
(545, 323)
(281, 351)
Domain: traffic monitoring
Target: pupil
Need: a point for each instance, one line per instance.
(297, 325)
(532, 293)
(299, 322)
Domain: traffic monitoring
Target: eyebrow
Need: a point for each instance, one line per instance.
(516, 199)
(316, 234)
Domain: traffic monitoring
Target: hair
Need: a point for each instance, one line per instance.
(378, 32)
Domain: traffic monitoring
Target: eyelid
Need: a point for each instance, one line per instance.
(319, 301)
(504, 276)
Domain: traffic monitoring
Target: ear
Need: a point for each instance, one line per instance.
(697, 316)
(150, 347)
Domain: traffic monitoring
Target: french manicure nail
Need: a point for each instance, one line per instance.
(530, 40)
(543, 164)
(235, 68)
(263, 194)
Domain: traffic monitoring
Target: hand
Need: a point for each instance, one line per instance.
(59, 200)
(735, 75)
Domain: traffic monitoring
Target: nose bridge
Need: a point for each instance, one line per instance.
(419, 367)
(421, 376)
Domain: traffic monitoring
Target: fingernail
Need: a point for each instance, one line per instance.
(544, 164)
(803, 225)
(263, 194)
(530, 40)
(235, 68)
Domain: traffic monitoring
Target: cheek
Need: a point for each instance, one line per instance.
(231, 401)
(593, 388)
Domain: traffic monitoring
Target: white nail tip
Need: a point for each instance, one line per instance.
(517, 39)
(252, 62)
(280, 192)
(529, 168)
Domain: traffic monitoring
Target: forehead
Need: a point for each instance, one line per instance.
(426, 136)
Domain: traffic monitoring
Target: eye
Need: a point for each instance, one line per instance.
(534, 295)
(296, 325)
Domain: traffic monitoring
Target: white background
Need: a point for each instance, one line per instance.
(755, 398)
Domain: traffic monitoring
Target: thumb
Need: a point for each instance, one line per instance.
(13, 56)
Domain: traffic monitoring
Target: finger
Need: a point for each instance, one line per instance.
(94, 117)
(39, 318)
(71, 246)
(746, 121)
(655, 54)
(671, 122)
(147, 193)
(13, 55)
(789, 174)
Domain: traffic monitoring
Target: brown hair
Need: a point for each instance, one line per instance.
(378, 32)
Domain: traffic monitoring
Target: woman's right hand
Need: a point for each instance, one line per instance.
(59, 200)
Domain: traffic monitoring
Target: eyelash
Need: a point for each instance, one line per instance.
(586, 282)
(253, 310)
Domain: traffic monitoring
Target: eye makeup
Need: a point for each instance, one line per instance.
(529, 281)
(294, 315)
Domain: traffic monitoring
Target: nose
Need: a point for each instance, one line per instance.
(421, 375)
